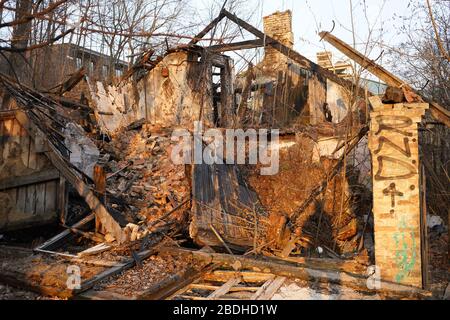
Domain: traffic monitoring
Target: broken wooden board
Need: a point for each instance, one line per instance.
(108, 222)
(222, 199)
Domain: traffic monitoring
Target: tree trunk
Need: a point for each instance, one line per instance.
(20, 38)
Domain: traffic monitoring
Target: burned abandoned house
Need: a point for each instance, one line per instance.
(353, 192)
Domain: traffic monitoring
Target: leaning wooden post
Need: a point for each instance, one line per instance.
(394, 144)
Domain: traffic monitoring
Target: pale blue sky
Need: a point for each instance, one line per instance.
(311, 16)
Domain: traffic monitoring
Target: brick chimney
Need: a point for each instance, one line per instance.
(278, 26)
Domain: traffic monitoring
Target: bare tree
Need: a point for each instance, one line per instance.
(422, 59)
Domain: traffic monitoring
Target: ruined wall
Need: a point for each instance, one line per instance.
(173, 92)
(338, 101)
(176, 92)
(290, 94)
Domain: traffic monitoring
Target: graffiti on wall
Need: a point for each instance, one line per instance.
(394, 124)
(393, 143)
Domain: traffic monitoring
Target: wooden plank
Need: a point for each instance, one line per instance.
(95, 262)
(225, 288)
(30, 202)
(269, 289)
(63, 200)
(247, 276)
(40, 199)
(53, 242)
(202, 286)
(102, 247)
(21, 200)
(102, 295)
(35, 178)
(438, 112)
(65, 255)
(51, 196)
(261, 289)
(174, 285)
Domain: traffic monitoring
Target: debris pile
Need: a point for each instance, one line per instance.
(142, 174)
(332, 220)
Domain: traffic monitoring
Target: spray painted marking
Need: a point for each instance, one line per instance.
(404, 263)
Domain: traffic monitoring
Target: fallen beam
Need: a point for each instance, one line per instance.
(293, 270)
(119, 267)
(438, 112)
(16, 280)
(350, 145)
(53, 243)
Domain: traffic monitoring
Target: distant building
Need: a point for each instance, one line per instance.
(345, 70)
(342, 68)
(49, 66)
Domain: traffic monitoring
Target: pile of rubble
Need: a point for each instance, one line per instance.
(143, 181)
(332, 221)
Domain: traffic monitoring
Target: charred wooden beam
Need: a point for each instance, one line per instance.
(73, 104)
(64, 236)
(438, 112)
(208, 28)
(249, 44)
(70, 83)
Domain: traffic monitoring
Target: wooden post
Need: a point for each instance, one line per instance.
(63, 199)
(424, 235)
(100, 179)
(394, 145)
